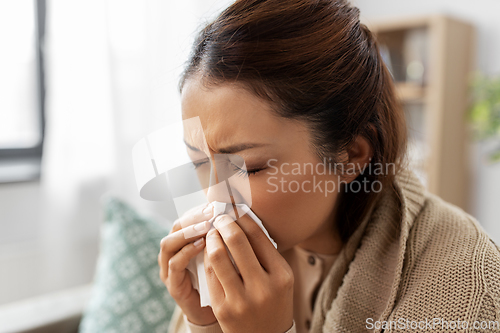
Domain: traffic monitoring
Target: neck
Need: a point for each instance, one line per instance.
(325, 243)
(326, 240)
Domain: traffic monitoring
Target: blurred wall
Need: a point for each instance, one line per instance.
(483, 14)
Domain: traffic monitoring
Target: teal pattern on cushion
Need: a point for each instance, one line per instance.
(128, 295)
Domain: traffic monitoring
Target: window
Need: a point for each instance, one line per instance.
(22, 91)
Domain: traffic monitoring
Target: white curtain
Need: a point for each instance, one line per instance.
(112, 73)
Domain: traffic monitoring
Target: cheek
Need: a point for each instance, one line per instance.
(292, 217)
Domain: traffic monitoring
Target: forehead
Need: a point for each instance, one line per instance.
(229, 113)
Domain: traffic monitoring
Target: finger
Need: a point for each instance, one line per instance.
(221, 264)
(172, 243)
(197, 214)
(163, 269)
(215, 289)
(175, 226)
(264, 250)
(194, 215)
(179, 262)
(239, 246)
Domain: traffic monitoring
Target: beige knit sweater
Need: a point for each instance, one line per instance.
(414, 263)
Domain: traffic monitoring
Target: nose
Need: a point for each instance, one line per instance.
(226, 183)
(218, 189)
(219, 192)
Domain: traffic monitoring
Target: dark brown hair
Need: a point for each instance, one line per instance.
(313, 61)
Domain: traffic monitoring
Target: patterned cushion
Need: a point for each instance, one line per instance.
(128, 295)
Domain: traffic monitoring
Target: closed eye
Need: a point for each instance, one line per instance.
(239, 171)
(244, 172)
(201, 162)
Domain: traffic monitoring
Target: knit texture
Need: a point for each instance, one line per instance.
(413, 258)
(416, 257)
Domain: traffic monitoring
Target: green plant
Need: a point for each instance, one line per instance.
(484, 114)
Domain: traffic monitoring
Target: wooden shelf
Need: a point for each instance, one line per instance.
(410, 92)
(441, 95)
(392, 24)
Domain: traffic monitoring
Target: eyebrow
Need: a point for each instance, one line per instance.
(232, 149)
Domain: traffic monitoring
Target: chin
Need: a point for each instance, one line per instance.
(283, 247)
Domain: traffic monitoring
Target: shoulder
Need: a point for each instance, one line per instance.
(441, 227)
(440, 222)
(451, 268)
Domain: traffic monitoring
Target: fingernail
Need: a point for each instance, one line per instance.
(208, 210)
(212, 233)
(217, 221)
(200, 226)
(198, 242)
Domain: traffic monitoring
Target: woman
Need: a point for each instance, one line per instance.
(298, 83)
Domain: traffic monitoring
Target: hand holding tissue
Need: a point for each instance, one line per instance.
(197, 266)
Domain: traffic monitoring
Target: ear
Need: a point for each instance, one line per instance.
(359, 155)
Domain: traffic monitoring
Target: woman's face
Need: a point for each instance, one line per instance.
(279, 157)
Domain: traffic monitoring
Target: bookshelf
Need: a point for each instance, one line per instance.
(431, 58)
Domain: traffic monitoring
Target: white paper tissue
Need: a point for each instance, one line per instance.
(197, 267)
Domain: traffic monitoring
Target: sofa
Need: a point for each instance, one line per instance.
(58, 312)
